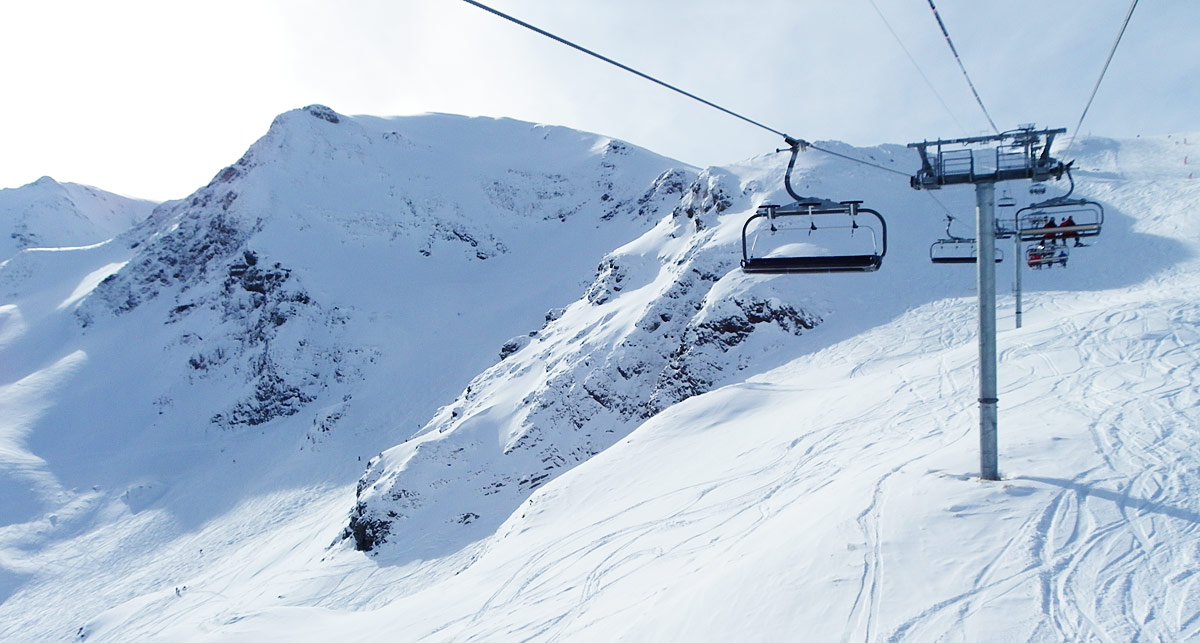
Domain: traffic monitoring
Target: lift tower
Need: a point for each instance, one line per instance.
(1023, 153)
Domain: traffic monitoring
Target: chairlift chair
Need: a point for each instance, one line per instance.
(1006, 223)
(786, 242)
(955, 249)
(1033, 221)
(1046, 255)
(958, 250)
(776, 239)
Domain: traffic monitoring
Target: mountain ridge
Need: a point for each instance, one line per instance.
(670, 435)
(50, 214)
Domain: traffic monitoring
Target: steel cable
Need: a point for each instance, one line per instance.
(1103, 71)
(791, 141)
(962, 67)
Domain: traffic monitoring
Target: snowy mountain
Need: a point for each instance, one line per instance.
(320, 298)
(49, 214)
(648, 333)
(590, 424)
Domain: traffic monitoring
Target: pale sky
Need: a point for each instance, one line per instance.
(150, 98)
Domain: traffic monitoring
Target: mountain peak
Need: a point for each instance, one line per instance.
(324, 113)
(50, 214)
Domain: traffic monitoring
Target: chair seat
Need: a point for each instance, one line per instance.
(788, 265)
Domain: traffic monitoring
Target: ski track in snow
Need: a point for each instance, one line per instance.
(1090, 558)
(1097, 552)
(1103, 554)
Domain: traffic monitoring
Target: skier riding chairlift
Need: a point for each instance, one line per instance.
(1049, 236)
(1069, 222)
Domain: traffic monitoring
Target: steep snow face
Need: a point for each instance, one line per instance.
(325, 293)
(667, 317)
(651, 330)
(49, 214)
(333, 227)
(315, 303)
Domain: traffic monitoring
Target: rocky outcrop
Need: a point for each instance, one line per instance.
(649, 332)
(196, 255)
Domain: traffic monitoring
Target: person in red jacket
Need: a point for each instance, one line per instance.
(1049, 236)
(1070, 234)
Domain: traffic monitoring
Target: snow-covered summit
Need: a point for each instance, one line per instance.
(49, 214)
(313, 304)
(378, 231)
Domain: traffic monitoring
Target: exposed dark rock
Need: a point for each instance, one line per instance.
(324, 113)
(610, 276)
(513, 345)
(707, 196)
(367, 532)
(228, 174)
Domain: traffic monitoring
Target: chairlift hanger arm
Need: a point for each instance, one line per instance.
(926, 166)
(787, 177)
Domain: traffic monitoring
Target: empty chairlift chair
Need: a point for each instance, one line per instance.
(809, 237)
(1005, 216)
(812, 236)
(958, 250)
(953, 249)
(1005, 202)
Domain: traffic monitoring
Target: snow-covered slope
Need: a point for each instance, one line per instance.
(834, 498)
(674, 451)
(648, 333)
(312, 305)
(49, 214)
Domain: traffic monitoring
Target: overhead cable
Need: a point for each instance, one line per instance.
(794, 142)
(939, 202)
(1112, 51)
(856, 160)
(625, 67)
(920, 71)
(962, 67)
